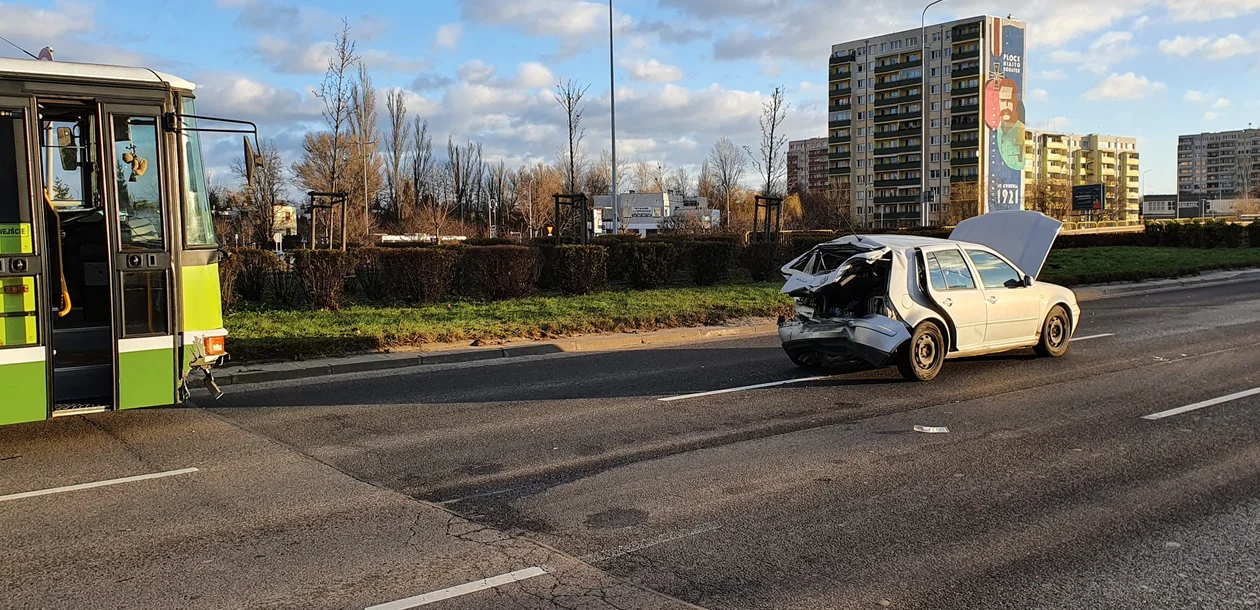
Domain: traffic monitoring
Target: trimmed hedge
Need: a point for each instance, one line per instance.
(652, 264)
(369, 281)
(419, 275)
(256, 268)
(710, 261)
(498, 272)
(229, 272)
(1253, 234)
(322, 274)
(578, 269)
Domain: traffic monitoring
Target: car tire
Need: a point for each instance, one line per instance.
(921, 358)
(1056, 333)
(805, 363)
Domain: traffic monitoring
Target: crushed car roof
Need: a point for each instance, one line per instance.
(895, 242)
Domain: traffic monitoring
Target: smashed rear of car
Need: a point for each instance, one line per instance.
(844, 314)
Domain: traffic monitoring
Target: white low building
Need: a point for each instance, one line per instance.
(644, 212)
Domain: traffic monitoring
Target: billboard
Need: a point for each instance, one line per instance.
(1088, 197)
(1002, 104)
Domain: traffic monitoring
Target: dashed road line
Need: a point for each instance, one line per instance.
(635, 547)
(1204, 404)
(57, 490)
(746, 387)
(464, 589)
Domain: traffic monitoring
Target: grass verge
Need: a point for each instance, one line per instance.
(270, 334)
(1077, 266)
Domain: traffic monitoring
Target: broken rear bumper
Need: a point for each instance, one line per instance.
(873, 339)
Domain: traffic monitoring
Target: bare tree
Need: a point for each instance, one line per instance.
(500, 196)
(705, 185)
(569, 95)
(364, 178)
(679, 181)
(464, 169)
(964, 202)
(396, 153)
(334, 92)
(262, 201)
(644, 176)
(828, 209)
(727, 163)
(771, 159)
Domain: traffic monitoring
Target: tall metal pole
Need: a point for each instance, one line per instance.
(923, 113)
(612, 103)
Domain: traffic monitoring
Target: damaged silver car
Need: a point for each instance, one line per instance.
(917, 301)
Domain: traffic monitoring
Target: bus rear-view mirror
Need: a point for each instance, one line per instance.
(69, 151)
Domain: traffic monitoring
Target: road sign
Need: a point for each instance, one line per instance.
(1087, 197)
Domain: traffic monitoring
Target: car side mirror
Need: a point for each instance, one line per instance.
(1028, 281)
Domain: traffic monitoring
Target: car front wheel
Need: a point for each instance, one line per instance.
(1056, 333)
(922, 357)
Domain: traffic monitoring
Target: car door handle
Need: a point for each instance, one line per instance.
(993, 300)
(948, 302)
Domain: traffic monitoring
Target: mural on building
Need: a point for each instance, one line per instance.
(1003, 105)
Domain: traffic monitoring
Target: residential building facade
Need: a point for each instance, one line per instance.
(950, 106)
(1058, 161)
(1159, 207)
(807, 166)
(1219, 166)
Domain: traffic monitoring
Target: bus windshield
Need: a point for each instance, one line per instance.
(198, 217)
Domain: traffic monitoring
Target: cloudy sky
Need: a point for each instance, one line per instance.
(688, 71)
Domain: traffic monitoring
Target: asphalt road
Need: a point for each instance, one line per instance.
(1050, 489)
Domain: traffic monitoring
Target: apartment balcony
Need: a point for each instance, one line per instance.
(966, 143)
(893, 101)
(958, 109)
(964, 126)
(964, 178)
(896, 84)
(839, 155)
(898, 182)
(901, 65)
(839, 139)
(965, 72)
(839, 171)
(962, 55)
(835, 124)
(839, 107)
(964, 91)
(840, 75)
(897, 116)
(912, 198)
(888, 167)
(881, 216)
(897, 150)
(965, 36)
(842, 59)
(899, 133)
(964, 161)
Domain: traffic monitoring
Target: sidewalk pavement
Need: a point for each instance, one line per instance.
(446, 353)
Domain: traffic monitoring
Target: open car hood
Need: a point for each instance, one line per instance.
(800, 283)
(1023, 236)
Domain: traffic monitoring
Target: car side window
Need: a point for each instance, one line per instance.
(949, 271)
(995, 272)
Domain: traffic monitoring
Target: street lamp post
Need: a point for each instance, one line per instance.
(612, 104)
(1142, 187)
(923, 114)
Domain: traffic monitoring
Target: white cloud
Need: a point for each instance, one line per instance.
(1106, 50)
(1195, 96)
(1210, 10)
(288, 57)
(25, 23)
(1208, 47)
(1038, 95)
(1222, 103)
(652, 71)
(532, 75)
(1127, 86)
(541, 17)
(1209, 116)
(1052, 75)
(447, 36)
(476, 71)
(1141, 22)
(1059, 123)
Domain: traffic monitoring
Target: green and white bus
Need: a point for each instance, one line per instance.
(108, 260)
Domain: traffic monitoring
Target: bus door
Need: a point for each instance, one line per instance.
(23, 355)
(138, 204)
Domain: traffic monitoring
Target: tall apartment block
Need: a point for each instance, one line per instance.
(807, 166)
(1064, 160)
(1218, 166)
(969, 75)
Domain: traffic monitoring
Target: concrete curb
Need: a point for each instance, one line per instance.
(285, 371)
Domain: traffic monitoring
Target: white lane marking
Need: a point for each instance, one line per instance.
(464, 589)
(742, 388)
(1088, 337)
(1204, 404)
(57, 490)
(634, 547)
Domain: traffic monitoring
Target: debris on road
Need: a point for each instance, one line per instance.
(932, 429)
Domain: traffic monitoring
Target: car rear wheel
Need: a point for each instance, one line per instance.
(806, 360)
(1056, 333)
(922, 357)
